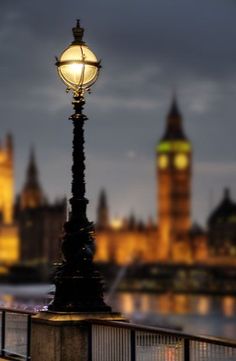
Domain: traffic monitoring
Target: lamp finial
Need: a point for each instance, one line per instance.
(78, 32)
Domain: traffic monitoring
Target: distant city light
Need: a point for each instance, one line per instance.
(116, 223)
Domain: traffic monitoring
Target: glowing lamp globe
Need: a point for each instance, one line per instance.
(78, 66)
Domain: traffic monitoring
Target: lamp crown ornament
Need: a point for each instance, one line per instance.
(78, 33)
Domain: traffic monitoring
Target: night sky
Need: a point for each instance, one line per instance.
(148, 49)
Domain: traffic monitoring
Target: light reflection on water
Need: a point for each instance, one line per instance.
(197, 314)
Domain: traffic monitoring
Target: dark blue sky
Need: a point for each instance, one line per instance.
(147, 50)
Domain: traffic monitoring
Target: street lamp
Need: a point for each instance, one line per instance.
(79, 286)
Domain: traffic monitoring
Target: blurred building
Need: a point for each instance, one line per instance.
(174, 173)
(123, 241)
(222, 229)
(173, 238)
(40, 222)
(30, 231)
(9, 240)
(30, 226)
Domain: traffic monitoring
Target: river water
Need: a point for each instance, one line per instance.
(197, 314)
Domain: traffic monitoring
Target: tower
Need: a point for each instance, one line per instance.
(40, 222)
(9, 241)
(174, 163)
(6, 181)
(32, 194)
(102, 211)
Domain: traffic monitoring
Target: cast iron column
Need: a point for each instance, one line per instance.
(79, 286)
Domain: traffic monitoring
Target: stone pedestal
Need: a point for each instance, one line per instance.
(63, 336)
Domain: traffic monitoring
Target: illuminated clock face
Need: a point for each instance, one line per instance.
(181, 161)
(163, 161)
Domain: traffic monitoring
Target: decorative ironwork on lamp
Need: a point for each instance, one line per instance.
(79, 287)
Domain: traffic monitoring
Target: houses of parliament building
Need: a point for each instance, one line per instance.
(173, 238)
(30, 226)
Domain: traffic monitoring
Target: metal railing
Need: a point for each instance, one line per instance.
(120, 341)
(15, 334)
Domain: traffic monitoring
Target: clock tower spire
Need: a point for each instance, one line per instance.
(174, 128)
(174, 157)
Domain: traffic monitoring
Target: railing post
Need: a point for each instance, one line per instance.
(28, 340)
(90, 340)
(3, 333)
(186, 349)
(132, 345)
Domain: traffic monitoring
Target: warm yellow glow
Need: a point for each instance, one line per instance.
(203, 305)
(3, 270)
(7, 300)
(78, 53)
(145, 305)
(116, 223)
(229, 306)
(9, 244)
(6, 186)
(165, 303)
(163, 161)
(2, 157)
(102, 249)
(78, 67)
(181, 161)
(127, 303)
(123, 246)
(164, 239)
(31, 198)
(181, 304)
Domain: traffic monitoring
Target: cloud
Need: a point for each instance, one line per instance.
(215, 168)
(146, 51)
(202, 96)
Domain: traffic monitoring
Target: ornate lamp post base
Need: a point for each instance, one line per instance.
(79, 294)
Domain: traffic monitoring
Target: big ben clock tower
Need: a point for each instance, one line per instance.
(174, 157)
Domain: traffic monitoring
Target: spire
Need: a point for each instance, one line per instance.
(174, 109)
(102, 211)
(32, 194)
(174, 130)
(9, 143)
(103, 199)
(227, 194)
(32, 171)
(132, 221)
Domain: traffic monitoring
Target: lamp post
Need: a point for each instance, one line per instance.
(79, 286)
